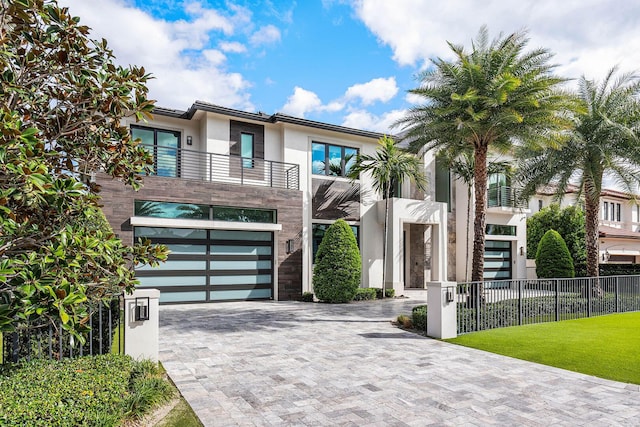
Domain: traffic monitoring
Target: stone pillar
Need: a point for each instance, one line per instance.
(441, 310)
(141, 336)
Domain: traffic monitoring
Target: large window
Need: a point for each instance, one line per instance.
(196, 211)
(332, 160)
(443, 182)
(164, 145)
(318, 233)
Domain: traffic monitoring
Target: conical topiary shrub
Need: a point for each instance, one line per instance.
(337, 270)
(553, 259)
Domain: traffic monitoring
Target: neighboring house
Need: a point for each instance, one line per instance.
(243, 200)
(619, 227)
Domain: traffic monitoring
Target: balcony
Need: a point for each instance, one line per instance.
(203, 166)
(505, 197)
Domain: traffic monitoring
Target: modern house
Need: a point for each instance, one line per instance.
(619, 225)
(243, 199)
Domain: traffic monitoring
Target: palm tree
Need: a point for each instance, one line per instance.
(463, 167)
(492, 97)
(605, 141)
(388, 167)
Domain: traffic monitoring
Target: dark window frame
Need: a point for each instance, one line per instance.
(155, 130)
(327, 163)
(248, 164)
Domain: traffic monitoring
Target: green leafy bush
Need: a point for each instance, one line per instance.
(569, 222)
(365, 294)
(419, 317)
(336, 274)
(307, 297)
(553, 259)
(87, 391)
(389, 293)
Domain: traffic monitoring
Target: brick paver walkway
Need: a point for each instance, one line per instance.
(291, 363)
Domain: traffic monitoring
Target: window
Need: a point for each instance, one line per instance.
(226, 213)
(332, 160)
(613, 211)
(318, 231)
(605, 211)
(618, 209)
(164, 145)
(498, 192)
(170, 210)
(443, 182)
(246, 149)
(500, 230)
(540, 205)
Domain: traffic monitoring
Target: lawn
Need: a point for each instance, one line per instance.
(603, 346)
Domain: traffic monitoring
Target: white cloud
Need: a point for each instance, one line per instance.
(361, 119)
(233, 47)
(379, 89)
(588, 36)
(169, 51)
(301, 102)
(265, 35)
(413, 99)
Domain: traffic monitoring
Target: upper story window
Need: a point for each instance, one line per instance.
(611, 211)
(540, 204)
(332, 160)
(164, 145)
(247, 149)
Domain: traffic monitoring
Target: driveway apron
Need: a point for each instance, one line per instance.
(294, 363)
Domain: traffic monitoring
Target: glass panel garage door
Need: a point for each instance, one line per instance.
(497, 261)
(210, 265)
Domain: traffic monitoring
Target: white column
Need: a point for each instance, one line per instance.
(441, 310)
(141, 336)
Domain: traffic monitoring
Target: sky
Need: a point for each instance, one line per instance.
(343, 62)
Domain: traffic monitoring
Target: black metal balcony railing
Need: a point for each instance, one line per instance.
(204, 166)
(505, 197)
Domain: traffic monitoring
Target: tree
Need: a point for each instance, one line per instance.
(553, 259)
(492, 97)
(62, 104)
(569, 223)
(605, 140)
(338, 266)
(463, 167)
(388, 167)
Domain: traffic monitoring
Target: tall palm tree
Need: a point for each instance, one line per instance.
(492, 97)
(605, 141)
(463, 168)
(388, 167)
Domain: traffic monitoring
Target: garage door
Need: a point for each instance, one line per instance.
(497, 262)
(210, 265)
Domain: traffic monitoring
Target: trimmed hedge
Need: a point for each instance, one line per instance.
(419, 317)
(307, 297)
(365, 294)
(87, 391)
(336, 274)
(389, 292)
(553, 259)
(619, 269)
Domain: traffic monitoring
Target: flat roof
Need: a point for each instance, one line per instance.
(262, 117)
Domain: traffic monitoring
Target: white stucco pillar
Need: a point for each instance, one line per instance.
(141, 336)
(441, 310)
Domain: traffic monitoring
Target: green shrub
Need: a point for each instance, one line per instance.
(87, 391)
(365, 294)
(336, 274)
(389, 292)
(307, 297)
(553, 259)
(419, 317)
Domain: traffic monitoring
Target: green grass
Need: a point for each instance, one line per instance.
(603, 346)
(180, 416)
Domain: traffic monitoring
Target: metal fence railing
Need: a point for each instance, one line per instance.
(503, 303)
(46, 340)
(502, 196)
(199, 165)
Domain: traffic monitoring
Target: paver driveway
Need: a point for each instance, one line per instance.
(291, 363)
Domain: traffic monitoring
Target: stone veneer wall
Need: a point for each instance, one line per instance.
(117, 201)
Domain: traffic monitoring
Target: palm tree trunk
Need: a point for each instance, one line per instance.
(480, 180)
(386, 241)
(466, 258)
(592, 209)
